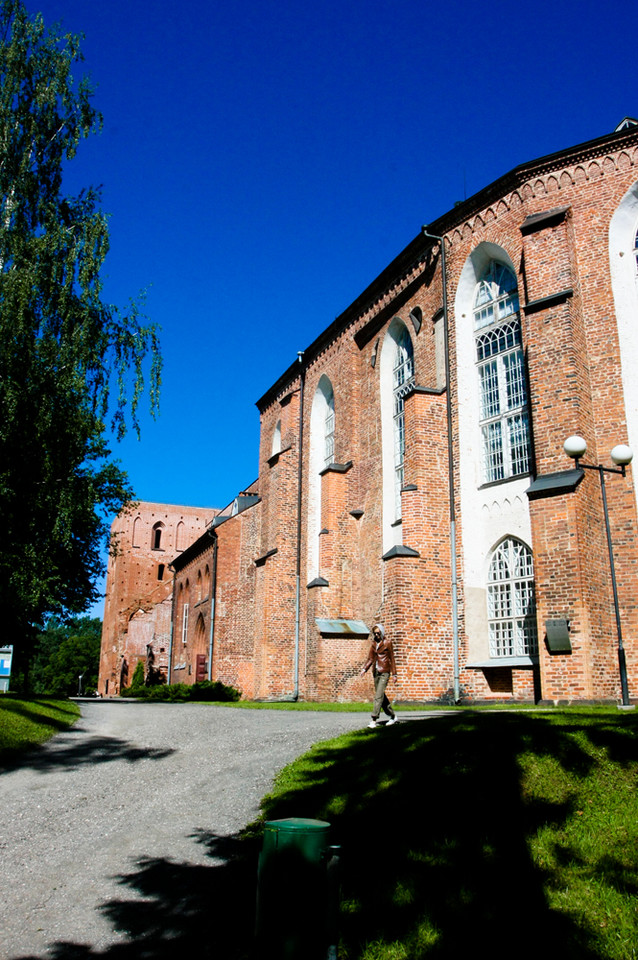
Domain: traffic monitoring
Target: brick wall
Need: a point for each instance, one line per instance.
(549, 224)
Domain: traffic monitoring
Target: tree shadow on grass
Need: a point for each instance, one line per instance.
(435, 829)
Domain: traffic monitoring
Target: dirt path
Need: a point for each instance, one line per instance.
(123, 820)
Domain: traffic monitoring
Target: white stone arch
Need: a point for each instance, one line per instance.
(492, 512)
(468, 385)
(322, 407)
(623, 263)
(276, 439)
(397, 341)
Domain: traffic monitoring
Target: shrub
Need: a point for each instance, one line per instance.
(210, 691)
(137, 683)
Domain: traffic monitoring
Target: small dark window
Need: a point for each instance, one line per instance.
(160, 571)
(158, 529)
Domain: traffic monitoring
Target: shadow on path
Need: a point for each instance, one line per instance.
(181, 910)
(62, 754)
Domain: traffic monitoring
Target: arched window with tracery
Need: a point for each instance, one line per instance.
(329, 430)
(511, 604)
(402, 382)
(503, 413)
(396, 380)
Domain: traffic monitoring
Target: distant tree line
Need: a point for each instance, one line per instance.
(62, 654)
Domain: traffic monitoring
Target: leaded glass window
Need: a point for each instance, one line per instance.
(502, 379)
(329, 431)
(402, 381)
(511, 605)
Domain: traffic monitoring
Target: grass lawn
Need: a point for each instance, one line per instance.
(510, 834)
(27, 722)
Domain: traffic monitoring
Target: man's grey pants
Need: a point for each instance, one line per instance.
(381, 702)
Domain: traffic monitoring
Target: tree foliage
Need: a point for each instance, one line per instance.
(64, 652)
(71, 365)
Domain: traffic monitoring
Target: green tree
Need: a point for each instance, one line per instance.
(63, 652)
(72, 367)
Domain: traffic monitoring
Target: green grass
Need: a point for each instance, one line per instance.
(26, 722)
(362, 707)
(513, 834)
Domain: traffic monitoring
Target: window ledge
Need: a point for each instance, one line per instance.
(342, 628)
(496, 662)
(336, 468)
(274, 458)
(498, 483)
(260, 561)
(318, 582)
(400, 550)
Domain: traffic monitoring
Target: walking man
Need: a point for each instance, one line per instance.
(381, 659)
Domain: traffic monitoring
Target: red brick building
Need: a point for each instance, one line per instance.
(411, 466)
(138, 606)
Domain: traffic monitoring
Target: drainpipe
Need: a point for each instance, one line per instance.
(450, 450)
(302, 377)
(213, 596)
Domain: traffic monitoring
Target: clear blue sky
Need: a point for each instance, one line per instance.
(262, 162)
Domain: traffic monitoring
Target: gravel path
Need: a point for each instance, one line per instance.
(131, 788)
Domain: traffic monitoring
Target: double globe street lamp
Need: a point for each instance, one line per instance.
(622, 455)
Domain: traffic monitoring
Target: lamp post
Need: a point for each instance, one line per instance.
(622, 455)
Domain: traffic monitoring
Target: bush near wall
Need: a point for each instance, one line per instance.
(206, 690)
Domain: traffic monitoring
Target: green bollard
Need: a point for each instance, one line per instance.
(293, 909)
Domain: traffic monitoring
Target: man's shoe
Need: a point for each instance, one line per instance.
(373, 725)
(391, 721)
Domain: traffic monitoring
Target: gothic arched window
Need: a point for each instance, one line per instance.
(503, 414)
(329, 429)
(402, 381)
(511, 605)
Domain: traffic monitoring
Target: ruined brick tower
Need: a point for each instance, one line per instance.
(137, 611)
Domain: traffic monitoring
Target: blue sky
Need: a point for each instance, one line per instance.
(262, 162)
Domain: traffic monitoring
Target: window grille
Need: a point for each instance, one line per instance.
(402, 382)
(636, 251)
(511, 601)
(502, 377)
(185, 623)
(329, 431)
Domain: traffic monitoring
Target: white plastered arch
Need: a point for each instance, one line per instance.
(392, 535)
(324, 396)
(624, 284)
(488, 514)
